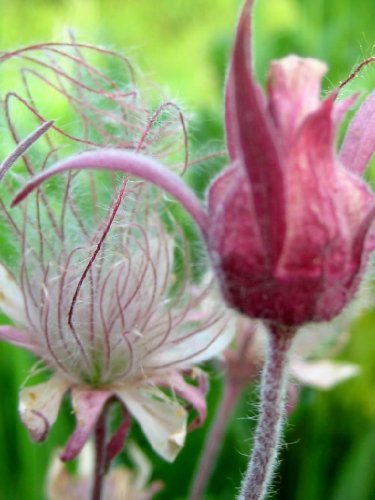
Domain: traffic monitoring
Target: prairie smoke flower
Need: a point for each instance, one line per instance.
(121, 482)
(90, 281)
(289, 219)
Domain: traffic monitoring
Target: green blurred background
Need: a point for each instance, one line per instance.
(183, 46)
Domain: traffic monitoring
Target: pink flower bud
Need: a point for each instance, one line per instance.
(289, 218)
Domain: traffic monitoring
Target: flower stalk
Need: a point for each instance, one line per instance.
(273, 402)
(100, 467)
(214, 440)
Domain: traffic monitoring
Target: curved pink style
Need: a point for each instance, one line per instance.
(128, 163)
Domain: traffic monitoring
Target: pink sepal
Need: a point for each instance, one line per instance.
(359, 142)
(252, 139)
(117, 441)
(19, 338)
(342, 107)
(88, 405)
(194, 395)
(39, 406)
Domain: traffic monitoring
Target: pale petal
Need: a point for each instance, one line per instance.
(86, 459)
(143, 466)
(162, 420)
(189, 349)
(214, 339)
(323, 374)
(18, 338)
(120, 483)
(39, 406)
(11, 298)
(294, 92)
(316, 340)
(359, 143)
(195, 395)
(88, 405)
(61, 484)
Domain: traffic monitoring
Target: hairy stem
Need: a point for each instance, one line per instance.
(100, 456)
(214, 439)
(267, 436)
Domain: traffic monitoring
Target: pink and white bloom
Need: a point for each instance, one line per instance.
(92, 286)
(121, 337)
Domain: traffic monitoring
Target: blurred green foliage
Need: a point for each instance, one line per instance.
(184, 45)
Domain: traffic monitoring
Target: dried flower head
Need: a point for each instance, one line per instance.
(91, 279)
